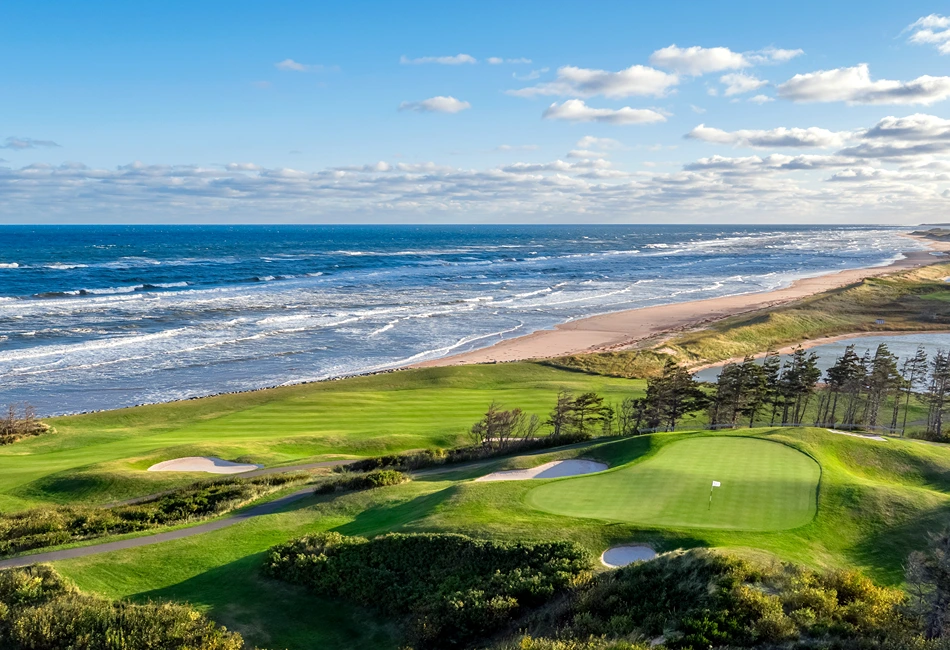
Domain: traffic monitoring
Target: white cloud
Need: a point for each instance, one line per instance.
(606, 144)
(19, 144)
(458, 59)
(813, 137)
(931, 30)
(295, 66)
(738, 83)
(440, 104)
(697, 109)
(637, 80)
(497, 60)
(575, 110)
(697, 60)
(854, 86)
(593, 147)
(761, 99)
(913, 127)
(531, 76)
(773, 55)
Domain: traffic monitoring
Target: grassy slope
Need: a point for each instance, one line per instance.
(764, 486)
(877, 500)
(100, 457)
(917, 300)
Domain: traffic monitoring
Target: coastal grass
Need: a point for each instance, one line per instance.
(916, 300)
(100, 458)
(876, 503)
(763, 486)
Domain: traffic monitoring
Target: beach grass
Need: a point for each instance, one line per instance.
(916, 300)
(103, 457)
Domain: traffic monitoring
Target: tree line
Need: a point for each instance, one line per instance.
(869, 390)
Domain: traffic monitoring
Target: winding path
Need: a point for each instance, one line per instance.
(135, 542)
(217, 524)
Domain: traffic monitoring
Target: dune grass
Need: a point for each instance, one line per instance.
(910, 301)
(102, 457)
(877, 502)
(764, 486)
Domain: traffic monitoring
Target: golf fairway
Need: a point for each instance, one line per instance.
(765, 486)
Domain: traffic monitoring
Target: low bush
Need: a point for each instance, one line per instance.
(40, 611)
(368, 481)
(415, 460)
(451, 588)
(44, 527)
(699, 599)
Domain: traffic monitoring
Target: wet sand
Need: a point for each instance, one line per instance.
(623, 329)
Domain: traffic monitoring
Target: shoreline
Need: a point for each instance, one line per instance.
(624, 329)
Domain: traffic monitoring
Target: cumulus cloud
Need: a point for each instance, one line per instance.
(695, 60)
(738, 83)
(761, 99)
(19, 144)
(895, 169)
(812, 137)
(854, 86)
(575, 110)
(458, 59)
(931, 30)
(440, 104)
(295, 66)
(637, 80)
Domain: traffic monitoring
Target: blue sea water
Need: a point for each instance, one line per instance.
(100, 317)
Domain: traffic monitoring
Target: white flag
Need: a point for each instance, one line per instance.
(717, 484)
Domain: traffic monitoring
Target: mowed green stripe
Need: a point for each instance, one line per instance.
(765, 486)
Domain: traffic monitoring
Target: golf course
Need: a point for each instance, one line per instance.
(796, 494)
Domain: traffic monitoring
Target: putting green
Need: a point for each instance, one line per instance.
(765, 486)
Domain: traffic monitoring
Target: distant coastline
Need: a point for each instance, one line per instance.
(624, 329)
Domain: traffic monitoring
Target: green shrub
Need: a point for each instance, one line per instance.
(415, 460)
(699, 599)
(39, 611)
(453, 589)
(44, 527)
(368, 481)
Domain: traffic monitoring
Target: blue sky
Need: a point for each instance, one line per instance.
(261, 112)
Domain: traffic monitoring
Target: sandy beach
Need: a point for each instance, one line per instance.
(622, 329)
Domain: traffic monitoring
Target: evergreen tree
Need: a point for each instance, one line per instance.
(914, 372)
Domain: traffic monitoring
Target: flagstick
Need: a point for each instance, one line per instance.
(710, 498)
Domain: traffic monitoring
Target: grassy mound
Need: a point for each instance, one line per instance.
(765, 486)
(101, 457)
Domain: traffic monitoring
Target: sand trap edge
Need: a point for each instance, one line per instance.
(629, 553)
(206, 464)
(553, 469)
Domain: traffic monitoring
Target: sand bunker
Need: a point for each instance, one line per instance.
(619, 556)
(858, 435)
(208, 464)
(554, 469)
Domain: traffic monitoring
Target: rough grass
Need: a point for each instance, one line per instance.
(764, 486)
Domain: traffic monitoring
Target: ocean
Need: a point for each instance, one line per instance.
(99, 317)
